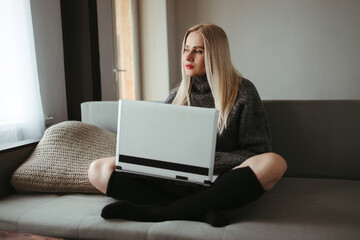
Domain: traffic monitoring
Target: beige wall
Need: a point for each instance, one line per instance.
(290, 49)
(154, 63)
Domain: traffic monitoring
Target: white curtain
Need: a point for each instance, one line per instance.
(21, 115)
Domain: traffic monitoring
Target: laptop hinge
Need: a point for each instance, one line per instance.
(118, 168)
(181, 177)
(207, 182)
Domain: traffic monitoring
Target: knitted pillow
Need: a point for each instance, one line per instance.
(61, 159)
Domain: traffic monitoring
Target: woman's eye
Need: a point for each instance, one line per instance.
(194, 51)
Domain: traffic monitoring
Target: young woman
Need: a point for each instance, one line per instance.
(243, 158)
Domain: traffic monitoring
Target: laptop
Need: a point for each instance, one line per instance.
(166, 142)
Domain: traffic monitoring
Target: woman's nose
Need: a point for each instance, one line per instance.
(189, 56)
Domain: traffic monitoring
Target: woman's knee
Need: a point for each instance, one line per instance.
(275, 167)
(268, 167)
(100, 171)
(279, 163)
(94, 170)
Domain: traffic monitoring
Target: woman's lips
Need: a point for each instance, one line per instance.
(189, 66)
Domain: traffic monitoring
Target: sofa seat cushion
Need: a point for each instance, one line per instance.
(296, 208)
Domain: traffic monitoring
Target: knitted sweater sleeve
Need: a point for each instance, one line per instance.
(253, 131)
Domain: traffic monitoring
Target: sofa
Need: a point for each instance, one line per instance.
(318, 198)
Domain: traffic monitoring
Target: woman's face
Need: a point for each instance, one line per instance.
(193, 58)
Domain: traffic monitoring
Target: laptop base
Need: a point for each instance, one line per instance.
(178, 181)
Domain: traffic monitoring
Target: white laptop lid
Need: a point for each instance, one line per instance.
(166, 141)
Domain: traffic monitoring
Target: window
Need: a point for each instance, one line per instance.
(21, 114)
(124, 69)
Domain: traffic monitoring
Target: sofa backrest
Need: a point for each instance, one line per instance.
(103, 114)
(318, 138)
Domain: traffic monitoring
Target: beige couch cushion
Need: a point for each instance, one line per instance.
(61, 160)
(296, 209)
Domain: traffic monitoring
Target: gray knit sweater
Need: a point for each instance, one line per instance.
(247, 133)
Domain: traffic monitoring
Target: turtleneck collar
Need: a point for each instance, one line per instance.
(200, 84)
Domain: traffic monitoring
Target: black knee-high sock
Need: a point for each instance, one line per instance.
(233, 189)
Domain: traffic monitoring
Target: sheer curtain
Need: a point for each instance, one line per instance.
(21, 113)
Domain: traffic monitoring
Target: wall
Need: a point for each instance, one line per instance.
(174, 53)
(290, 49)
(50, 60)
(154, 62)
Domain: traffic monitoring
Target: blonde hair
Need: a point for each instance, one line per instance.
(223, 78)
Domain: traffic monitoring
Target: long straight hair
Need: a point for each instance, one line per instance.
(223, 78)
